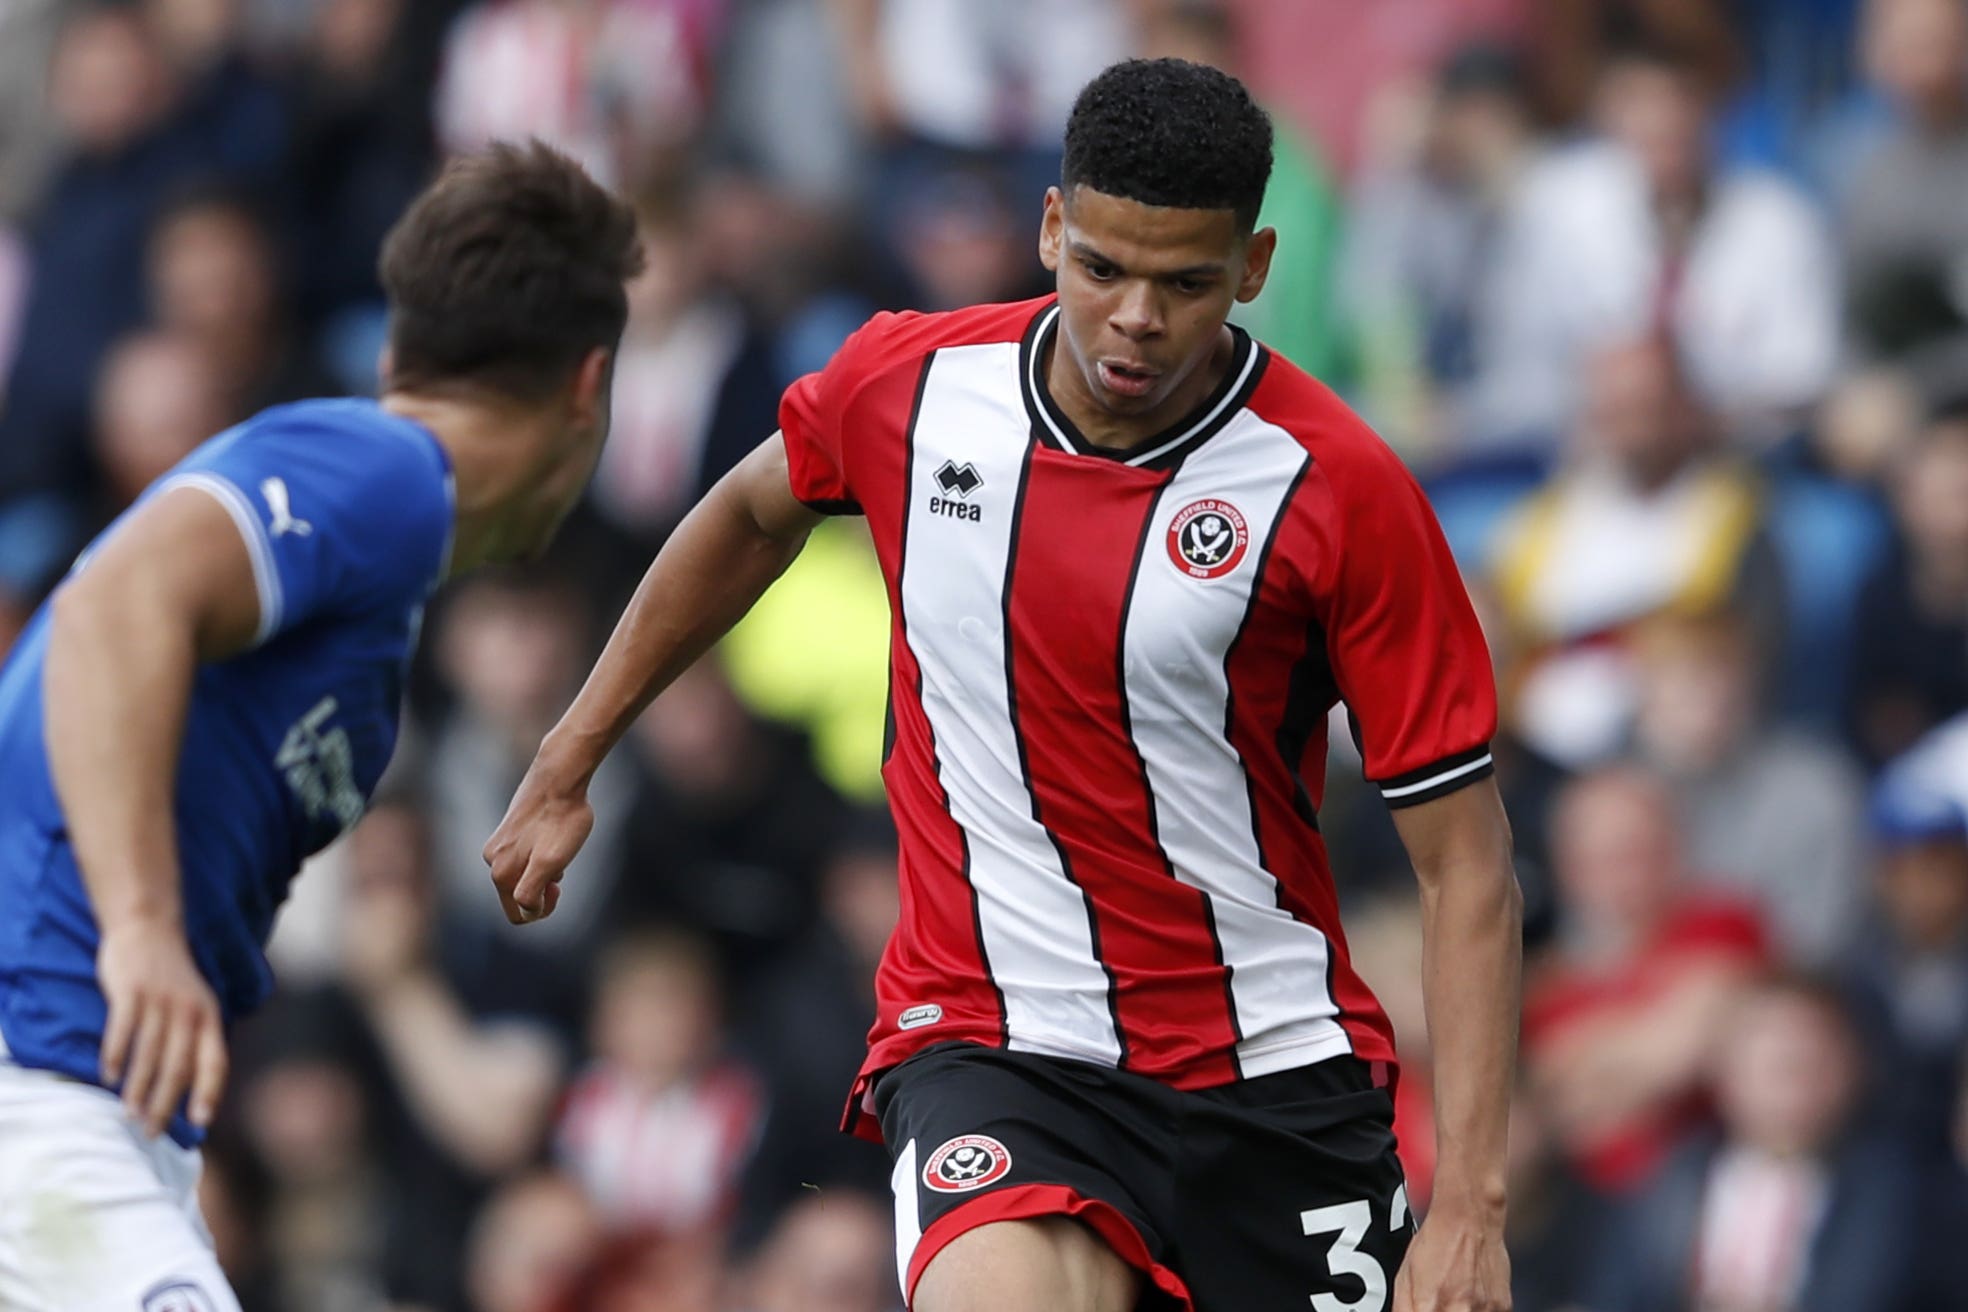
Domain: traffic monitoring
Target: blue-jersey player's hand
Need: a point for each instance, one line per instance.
(544, 828)
(164, 1037)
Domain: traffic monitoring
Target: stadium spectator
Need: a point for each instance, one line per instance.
(1793, 1207)
(1647, 518)
(1623, 1010)
(28, 29)
(730, 827)
(510, 647)
(830, 1252)
(1442, 172)
(1911, 627)
(530, 1244)
(803, 1019)
(1904, 234)
(618, 84)
(1909, 972)
(475, 1060)
(659, 1126)
(114, 98)
(159, 394)
(694, 377)
(1573, 43)
(1641, 230)
(215, 276)
(1770, 811)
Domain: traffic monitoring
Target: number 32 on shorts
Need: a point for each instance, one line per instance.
(1349, 1223)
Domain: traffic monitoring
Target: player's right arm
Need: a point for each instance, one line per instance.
(719, 561)
(170, 588)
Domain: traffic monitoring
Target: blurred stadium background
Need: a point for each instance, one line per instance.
(1666, 301)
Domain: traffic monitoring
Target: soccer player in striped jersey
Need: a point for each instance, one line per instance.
(212, 695)
(1121, 1058)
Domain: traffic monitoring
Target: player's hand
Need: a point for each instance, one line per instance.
(165, 1036)
(1456, 1263)
(543, 830)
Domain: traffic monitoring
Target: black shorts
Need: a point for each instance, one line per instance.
(1252, 1197)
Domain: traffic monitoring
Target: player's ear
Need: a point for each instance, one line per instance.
(591, 381)
(1257, 263)
(385, 369)
(1052, 229)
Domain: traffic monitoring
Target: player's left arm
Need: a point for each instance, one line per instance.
(1472, 927)
(170, 588)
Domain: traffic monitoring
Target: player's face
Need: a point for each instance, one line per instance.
(1144, 291)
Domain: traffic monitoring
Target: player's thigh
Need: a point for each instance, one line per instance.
(1283, 1211)
(1045, 1264)
(982, 1139)
(91, 1218)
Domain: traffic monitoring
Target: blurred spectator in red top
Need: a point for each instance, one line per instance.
(1623, 1012)
(615, 83)
(659, 1127)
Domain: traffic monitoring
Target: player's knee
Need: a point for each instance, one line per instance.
(1047, 1264)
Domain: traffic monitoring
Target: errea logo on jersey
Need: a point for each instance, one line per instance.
(1208, 538)
(958, 484)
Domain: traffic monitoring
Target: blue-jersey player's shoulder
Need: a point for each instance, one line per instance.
(343, 506)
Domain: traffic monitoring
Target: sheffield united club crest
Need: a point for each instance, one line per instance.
(1208, 538)
(969, 1161)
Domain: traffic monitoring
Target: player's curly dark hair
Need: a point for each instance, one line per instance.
(1169, 132)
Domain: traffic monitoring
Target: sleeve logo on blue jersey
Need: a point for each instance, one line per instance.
(283, 522)
(320, 767)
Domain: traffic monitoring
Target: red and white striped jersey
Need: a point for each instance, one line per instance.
(1111, 678)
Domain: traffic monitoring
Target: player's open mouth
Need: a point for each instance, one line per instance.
(1125, 380)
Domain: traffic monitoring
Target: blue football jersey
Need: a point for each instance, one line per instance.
(346, 511)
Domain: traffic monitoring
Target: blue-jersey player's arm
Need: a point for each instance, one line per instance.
(171, 588)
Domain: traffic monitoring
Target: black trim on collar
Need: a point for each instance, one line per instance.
(1166, 449)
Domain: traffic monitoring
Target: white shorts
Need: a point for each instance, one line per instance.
(94, 1217)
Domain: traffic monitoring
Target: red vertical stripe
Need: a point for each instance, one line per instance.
(1275, 643)
(937, 956)
(1066, 624)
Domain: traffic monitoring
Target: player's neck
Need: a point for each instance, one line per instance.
(1109, 431)
(493, 467)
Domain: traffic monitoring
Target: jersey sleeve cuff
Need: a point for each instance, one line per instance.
(1438, 779)
(266, 578)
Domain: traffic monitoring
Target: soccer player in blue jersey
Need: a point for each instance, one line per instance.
(213, 693)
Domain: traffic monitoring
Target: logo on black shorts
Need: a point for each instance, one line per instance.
(178, 1296)
(1207, 539)
(969, 1161)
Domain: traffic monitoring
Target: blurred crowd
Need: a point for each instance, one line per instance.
(1666, 301)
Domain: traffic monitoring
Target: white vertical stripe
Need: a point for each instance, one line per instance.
(1034, 919)
(908, 1213)
(266, 578)
(1179, 629)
